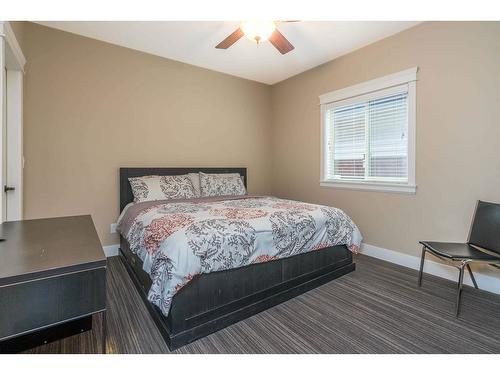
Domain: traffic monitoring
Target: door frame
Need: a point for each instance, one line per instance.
(12, 63)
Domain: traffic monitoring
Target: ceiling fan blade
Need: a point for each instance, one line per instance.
(230, 40)
(280, 42)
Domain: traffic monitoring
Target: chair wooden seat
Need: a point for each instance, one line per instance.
(458, 251)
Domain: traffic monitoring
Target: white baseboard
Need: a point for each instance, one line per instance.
(111, 250)
(485, 282)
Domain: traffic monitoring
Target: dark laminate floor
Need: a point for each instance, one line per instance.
(375, 309)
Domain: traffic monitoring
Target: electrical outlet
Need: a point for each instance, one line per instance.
(113, 228)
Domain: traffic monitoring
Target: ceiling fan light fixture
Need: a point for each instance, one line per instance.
(258, 31)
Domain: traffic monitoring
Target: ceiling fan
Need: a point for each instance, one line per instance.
(259, 31)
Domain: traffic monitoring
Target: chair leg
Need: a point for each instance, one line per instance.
(421, 267)
(472, 276)
(459, 288)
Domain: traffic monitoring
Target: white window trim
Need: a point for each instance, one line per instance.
(408, 77)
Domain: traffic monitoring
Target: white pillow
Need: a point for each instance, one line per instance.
(150, 188)
(214, 185)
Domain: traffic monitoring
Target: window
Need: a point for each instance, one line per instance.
(368, 135)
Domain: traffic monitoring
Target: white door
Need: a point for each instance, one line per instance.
(3, 105)
(13, 146)
(11, 129)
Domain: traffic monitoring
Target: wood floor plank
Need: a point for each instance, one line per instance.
(376, 309)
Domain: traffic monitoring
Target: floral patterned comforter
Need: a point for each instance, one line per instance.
(179, 239)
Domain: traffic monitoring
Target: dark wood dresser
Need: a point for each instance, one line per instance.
(52, 280)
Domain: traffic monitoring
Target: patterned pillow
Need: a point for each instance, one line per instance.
(214, 185)
(195, 181)
(151, 188)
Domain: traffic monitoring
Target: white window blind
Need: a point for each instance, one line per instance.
(367, 140)
(347, 142)
(388, 138)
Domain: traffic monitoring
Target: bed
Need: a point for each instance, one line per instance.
(208, 302)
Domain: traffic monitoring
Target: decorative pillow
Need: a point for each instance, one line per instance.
(195, 181)
(177, 187)
(214, 185)
(150, 188)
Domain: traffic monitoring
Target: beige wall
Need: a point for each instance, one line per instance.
(458, 132)
(91, 107)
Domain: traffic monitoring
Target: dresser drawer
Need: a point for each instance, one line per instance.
(38, 303)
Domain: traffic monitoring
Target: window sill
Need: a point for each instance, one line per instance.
(371, 186)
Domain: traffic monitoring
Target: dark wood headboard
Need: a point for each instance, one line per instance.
(126, 195)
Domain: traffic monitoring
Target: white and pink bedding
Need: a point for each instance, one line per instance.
(182, 238)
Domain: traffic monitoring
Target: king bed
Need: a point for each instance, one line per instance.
(205, 263)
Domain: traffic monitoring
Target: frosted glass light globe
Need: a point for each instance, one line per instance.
(258, 31)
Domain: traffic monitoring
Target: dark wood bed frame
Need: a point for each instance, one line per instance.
(216, 300)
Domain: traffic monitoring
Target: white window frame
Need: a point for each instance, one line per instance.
(360, 92)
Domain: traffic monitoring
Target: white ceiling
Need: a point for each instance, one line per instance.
(193, 42)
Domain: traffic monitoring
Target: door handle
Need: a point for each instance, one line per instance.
(8, 188)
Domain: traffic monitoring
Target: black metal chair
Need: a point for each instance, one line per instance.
(482, 246)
